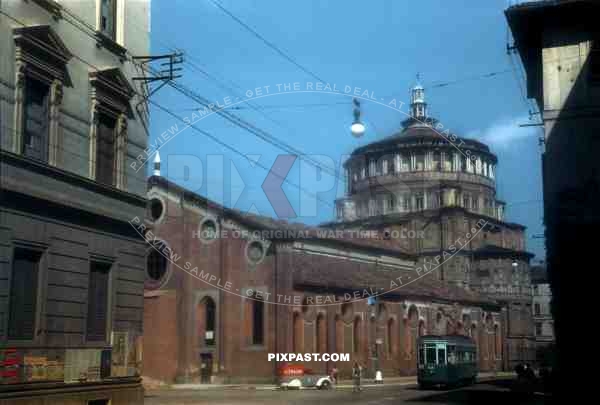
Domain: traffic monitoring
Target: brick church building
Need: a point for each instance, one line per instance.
(225, 288)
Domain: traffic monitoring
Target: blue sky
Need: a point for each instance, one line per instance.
(377, 46)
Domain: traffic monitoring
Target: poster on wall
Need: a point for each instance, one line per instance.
(10, 360)
(31, 365)
(126, 354)
(82, 365)
(120, 348)
(35, 368)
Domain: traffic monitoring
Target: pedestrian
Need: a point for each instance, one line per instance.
(378, 377)
(334, 373)
(356, 374)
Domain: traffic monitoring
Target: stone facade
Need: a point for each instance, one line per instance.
(542, 301)
(71, 266)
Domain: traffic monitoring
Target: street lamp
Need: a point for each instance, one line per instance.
(357, 128)
(373, 303)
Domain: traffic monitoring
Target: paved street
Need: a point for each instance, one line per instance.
(497, 392)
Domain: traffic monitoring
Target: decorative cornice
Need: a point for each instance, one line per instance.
(102, 41)
(7, 157)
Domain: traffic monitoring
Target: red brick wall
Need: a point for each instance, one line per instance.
(160, 337)
(173, 331)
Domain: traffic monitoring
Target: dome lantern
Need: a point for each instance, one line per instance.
(418, 106)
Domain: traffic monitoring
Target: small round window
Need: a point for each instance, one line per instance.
(155, 209)
(255, 252)
(208, 229)
(157, 266)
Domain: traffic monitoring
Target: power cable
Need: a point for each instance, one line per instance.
(266, 42)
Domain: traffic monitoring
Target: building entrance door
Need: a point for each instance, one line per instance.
(206, 365)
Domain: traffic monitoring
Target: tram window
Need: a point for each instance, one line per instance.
(421, 355)
(441, 355)
(430, 355)
(452, 355)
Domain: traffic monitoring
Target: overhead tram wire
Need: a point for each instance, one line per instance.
(164, 109)
(259, 109)
(274, 140)
(469, 78)
(260, 133)
(287, 106)
(266, 41)
(279, 143)
(231, 148)
(193, 127)
(266, 137)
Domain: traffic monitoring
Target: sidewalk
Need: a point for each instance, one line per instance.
(343, 384)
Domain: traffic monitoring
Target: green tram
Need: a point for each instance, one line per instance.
(446, 360)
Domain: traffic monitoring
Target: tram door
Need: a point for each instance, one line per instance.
(206, 365)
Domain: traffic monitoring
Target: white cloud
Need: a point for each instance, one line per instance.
(504, 133)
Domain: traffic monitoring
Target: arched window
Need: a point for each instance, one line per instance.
(421, 328)
(206, 316)
(305, 306)
(339, 334)
(391, 337)
(321, 334)
(258, 319)
(346, 309)
(439, 323)
(466, 322)
(496, 342)
(407, 338)
(411, 331)
(356, 335)
(298, 337)
(254, 319)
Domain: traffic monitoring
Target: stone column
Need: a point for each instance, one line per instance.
(20, 77)
(93, 135)
(456, 158)
(56, 96)
(121, 153)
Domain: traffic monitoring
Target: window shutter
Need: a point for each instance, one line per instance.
(248, 320)
(258, 323)
(97, 302)
(36, 124)
(23, 295)
(105, 150)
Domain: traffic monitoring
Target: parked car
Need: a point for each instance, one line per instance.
(321, 382)
(297, 376)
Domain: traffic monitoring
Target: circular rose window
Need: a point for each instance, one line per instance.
(208, 230)
(157, 266)
(255, 252)
(155, 209)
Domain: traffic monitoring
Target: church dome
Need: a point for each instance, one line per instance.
(418, 168)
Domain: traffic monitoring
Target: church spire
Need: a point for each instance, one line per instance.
(418, 106)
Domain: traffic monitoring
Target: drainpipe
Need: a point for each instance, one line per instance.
(276, 309)
(221, 341)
